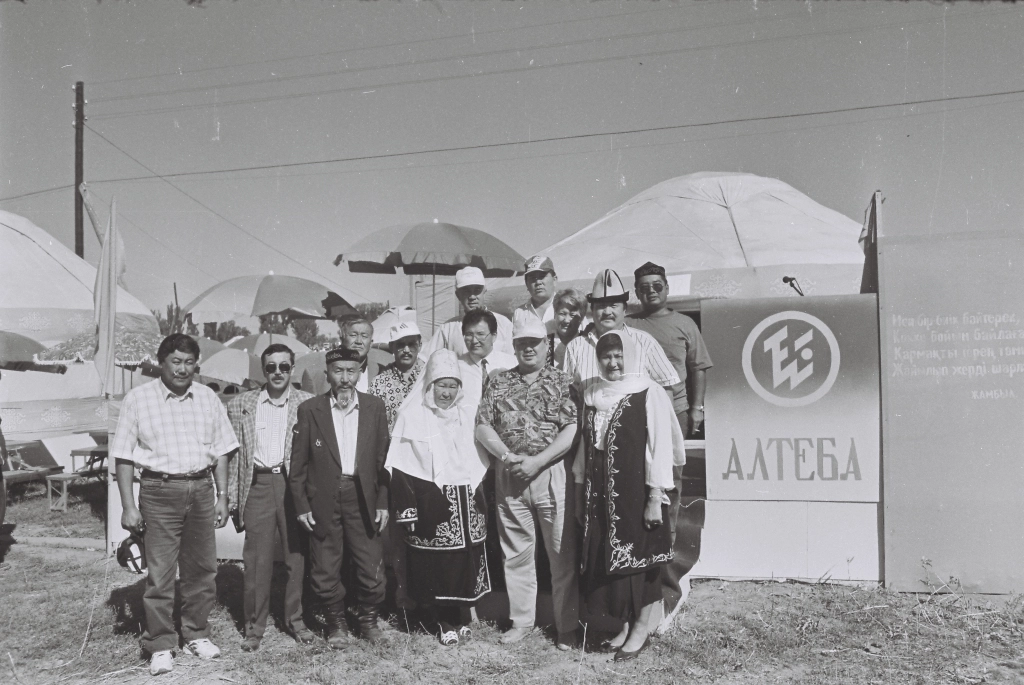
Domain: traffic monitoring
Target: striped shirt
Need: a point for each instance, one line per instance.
(163, 432)
(271, 427)
(581, 359)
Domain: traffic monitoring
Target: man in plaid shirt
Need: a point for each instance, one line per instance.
(178, 434)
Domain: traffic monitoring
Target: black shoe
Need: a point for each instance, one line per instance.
(623, 655)
(368, 628)
(337, 633)
(303, 635)
(251, 643)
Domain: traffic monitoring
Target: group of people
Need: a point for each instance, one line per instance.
(565, 424)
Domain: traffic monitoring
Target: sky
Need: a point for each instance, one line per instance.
(351, 112)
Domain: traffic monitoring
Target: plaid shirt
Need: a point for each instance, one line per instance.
(163, 432)
(528, 417)
(392, 386)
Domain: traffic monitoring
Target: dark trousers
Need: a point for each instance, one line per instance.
(349, 533)
(672, 572)
(179, 516)
(268, 511)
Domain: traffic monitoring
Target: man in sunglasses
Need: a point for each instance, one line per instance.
(259, 496)
(684, 346)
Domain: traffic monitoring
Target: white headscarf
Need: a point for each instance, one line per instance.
(604, 394)
(437, 444)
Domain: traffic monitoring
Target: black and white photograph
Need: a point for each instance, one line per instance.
(512, 341)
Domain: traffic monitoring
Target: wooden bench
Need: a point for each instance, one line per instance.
(95, 466)
(30, 475)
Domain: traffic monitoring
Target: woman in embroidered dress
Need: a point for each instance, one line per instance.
(622, 471)
(436, 473)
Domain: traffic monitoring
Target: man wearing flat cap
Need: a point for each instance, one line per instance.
(470, 287)
(340, 489)
(684, 346)
(527, 422)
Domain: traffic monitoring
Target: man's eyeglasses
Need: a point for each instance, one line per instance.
(271, 367)
(655, 287)
(479, 337)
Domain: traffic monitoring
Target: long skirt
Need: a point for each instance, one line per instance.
(616, 595)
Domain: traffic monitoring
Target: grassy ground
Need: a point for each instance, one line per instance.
(71, 616)
(28, 511)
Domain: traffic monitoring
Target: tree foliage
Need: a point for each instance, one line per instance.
(224, 331)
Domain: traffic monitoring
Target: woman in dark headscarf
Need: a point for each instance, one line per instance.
(436, 473)
(622, 471)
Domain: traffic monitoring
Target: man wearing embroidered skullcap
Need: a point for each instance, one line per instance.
(684, 346)
(340, 489)
(527, 422)
(470, 287)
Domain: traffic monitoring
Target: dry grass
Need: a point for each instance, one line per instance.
(29, 512)
(729, 633)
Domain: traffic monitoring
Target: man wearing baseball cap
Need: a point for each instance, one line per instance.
(542, 284)
(527, 422)
(395, 380)
(470, 287)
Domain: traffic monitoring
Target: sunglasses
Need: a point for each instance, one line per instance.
(271, 367)
(655, 287)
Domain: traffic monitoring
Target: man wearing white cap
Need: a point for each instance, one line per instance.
(542, 284)
(470, 287)
(608, 309)
(395, 380)
(527, 422)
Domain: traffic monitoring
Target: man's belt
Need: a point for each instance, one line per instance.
(268, 469)
(157, 475)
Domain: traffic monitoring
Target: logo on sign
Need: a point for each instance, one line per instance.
(791, 359)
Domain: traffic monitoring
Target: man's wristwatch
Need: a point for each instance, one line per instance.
(700, 408)
(504, 457)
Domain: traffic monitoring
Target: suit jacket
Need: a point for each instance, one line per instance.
(242, 414)
(316, 463)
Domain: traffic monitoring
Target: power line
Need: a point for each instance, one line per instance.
(578, 136)
(331, 53)
(36, 192)
(511, 70)
(435, 60)
(199, 202)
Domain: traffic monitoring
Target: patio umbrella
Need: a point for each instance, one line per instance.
(388, 318)
(438, 249)
(17, 348)
(232, 366)
(289, 296)
(255, 344)
(208, 347)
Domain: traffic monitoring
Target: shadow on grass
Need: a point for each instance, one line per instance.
(6, 539)
(93, 493)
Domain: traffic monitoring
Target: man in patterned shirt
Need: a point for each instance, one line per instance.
(177, 432)
(395, 380)
(527, 421)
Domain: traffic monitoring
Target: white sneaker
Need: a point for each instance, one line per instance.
(161, 662)
(203, 648)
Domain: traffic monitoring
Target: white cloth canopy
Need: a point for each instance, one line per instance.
(721, 234)
(46, 290)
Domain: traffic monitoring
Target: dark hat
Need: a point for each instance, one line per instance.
(343, 354)
(649, 269)
(131, 553)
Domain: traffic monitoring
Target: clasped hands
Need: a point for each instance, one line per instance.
(523, 467)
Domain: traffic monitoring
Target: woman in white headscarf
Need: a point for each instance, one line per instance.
(436, 472)
(622, 471)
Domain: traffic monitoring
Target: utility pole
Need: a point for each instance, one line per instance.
(79, 166)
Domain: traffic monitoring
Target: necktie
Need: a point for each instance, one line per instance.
(483, 372)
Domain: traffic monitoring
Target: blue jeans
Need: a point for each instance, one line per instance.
(179, 516)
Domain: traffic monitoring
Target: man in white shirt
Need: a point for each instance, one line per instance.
(470, 287)
(259, 498)
(542, 284)
(608, 300)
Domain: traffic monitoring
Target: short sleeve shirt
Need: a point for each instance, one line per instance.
(392, 386)
(164, 432)
(581, 359)
(679, 337)
(528, 416)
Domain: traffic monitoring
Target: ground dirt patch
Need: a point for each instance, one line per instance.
(728, 633)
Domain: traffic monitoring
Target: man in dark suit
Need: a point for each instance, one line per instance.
(340, 489)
